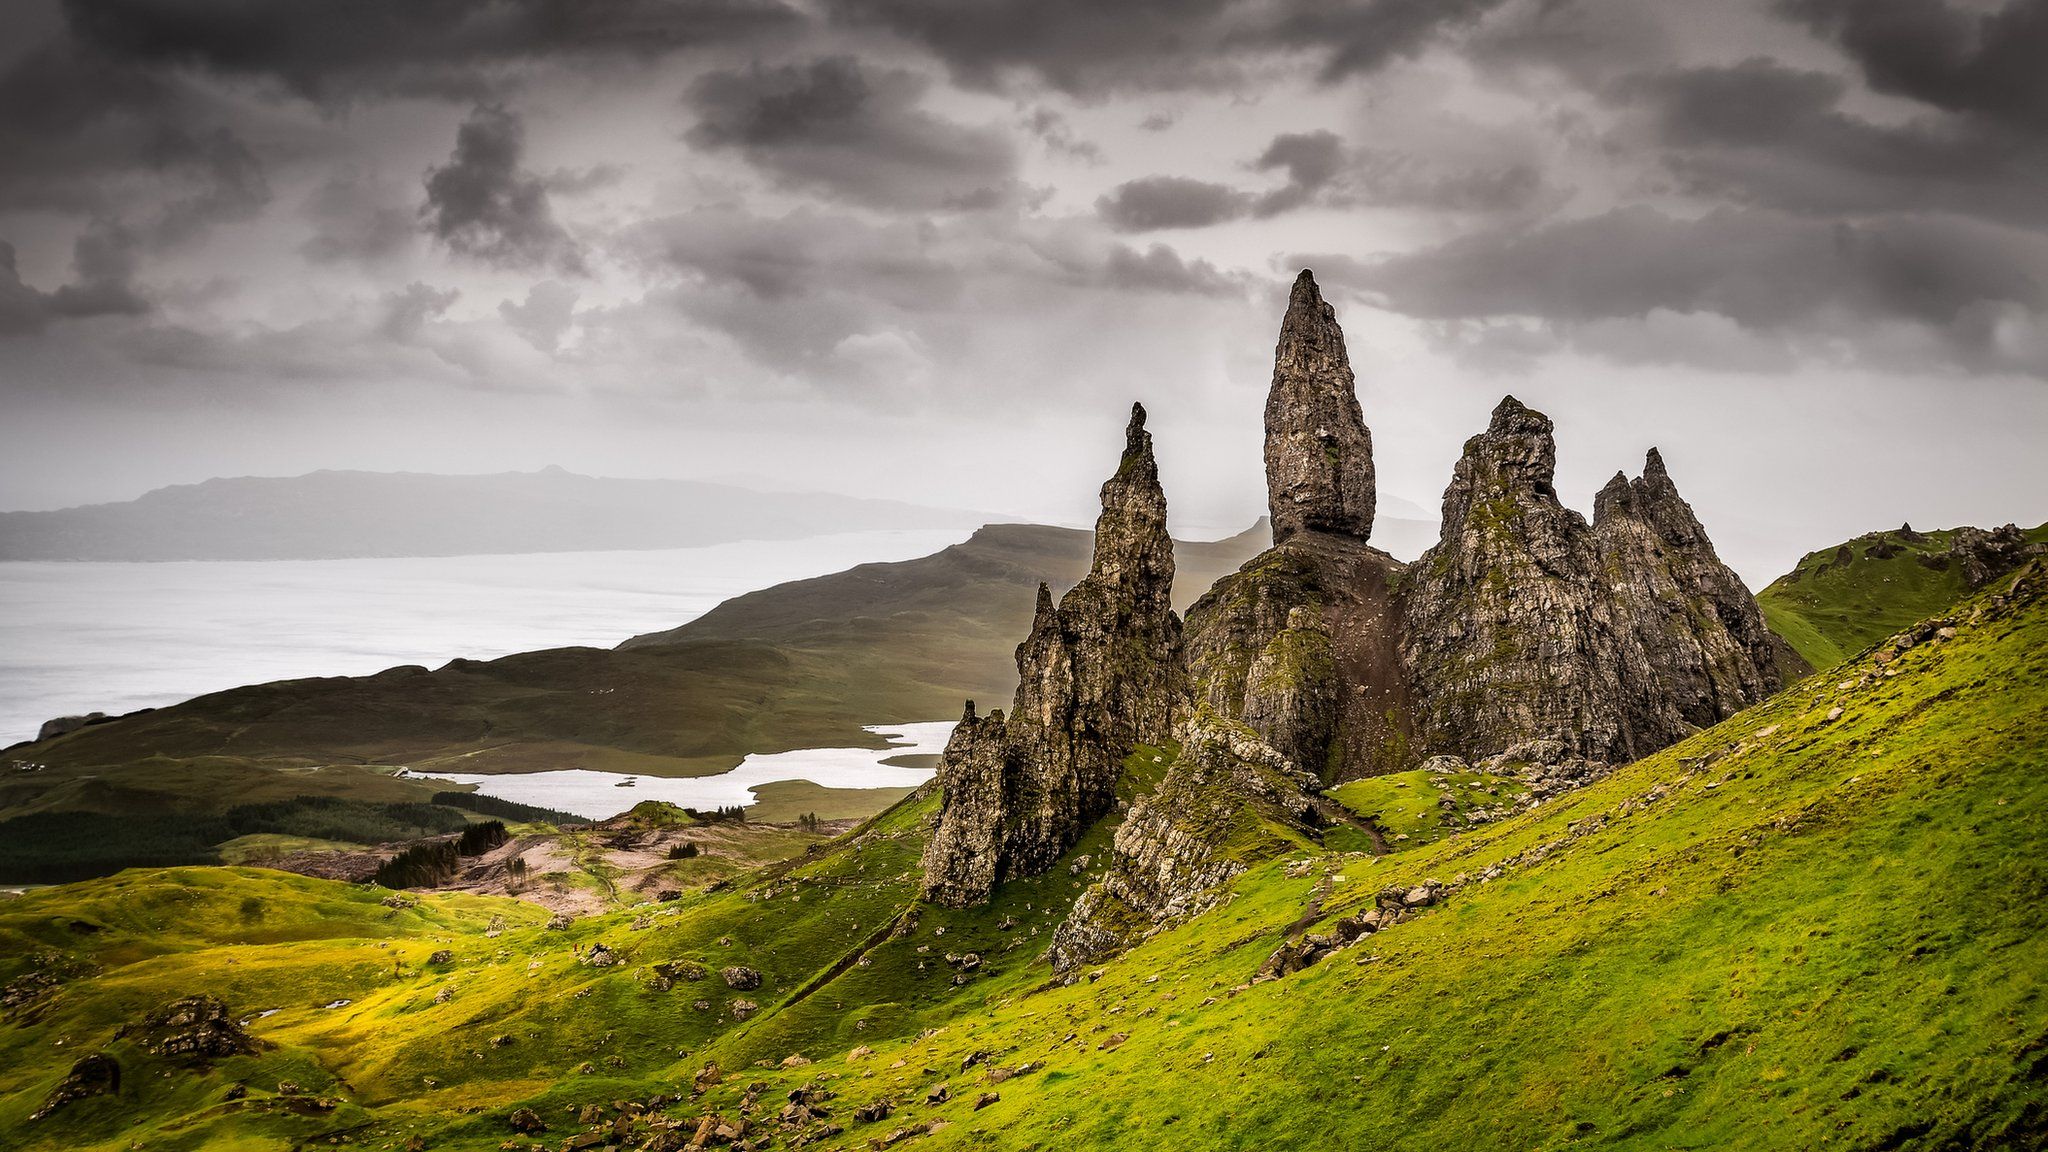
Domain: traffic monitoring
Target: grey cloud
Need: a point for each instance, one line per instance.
(850, 131)
(484, 204)
(356, 217)
(406, 311)
(1155, 202)
(1310, 159)
(1161, 269)
(104, 262)
(1057, 135)
(1958, 58)
(1320, 171)
(328, 51)
(1967, 285)
(544, 316)
(1090, 47)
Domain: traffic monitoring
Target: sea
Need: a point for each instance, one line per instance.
(115, 637)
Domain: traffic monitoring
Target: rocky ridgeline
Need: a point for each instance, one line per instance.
(1323, 659)
(1100, 673)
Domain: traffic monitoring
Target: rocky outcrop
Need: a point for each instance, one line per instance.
(92, 1075)
(1701, 634)
(1300, 644)
(1507, 633)
(197, 1030)
(1526, 623)
(1101, 672)
(1984, 556)
(1319, 472)
(1227, 798)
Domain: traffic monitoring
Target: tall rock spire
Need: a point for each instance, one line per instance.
(1319, 475)
(1100, 673)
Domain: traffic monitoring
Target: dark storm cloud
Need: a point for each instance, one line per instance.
(484, 204)
(1955, 58)
(78, 134)
(854, 132)
(1091, 47)
(1764, 133)
(1963, 282)
(1154, 202)
(325, 50)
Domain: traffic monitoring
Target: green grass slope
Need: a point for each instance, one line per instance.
(1823, 923)
(1839, 600)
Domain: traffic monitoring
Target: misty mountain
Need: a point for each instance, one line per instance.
(333, 515)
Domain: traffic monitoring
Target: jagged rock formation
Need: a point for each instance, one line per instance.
(1319, 474)
(1100, 673)
(1524, 622)
(1703, 637)
(1228, 798)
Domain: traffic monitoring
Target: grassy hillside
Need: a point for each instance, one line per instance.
(1823, 923)
(1839, 600)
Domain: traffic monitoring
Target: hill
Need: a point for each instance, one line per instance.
(329, 515)
(1818, 923)
(801, 665)
(1841, 599)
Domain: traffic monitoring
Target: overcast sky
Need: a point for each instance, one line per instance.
(932, 249)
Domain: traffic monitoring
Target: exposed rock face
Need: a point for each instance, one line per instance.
(1300, 644)
(1100, 673)
(1526, 623)
(1227, 798)
(1701, 633)
(1319, 474)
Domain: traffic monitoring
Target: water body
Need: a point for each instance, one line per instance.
(114, 637)
(599, 795)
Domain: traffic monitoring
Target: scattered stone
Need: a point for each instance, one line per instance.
(526, 1121)
(442, 956)
(741, 978)
(984, 1100)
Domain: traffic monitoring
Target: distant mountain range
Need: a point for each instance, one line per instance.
(336, 515)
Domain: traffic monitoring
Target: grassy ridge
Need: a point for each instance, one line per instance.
(1840, 600)
(1801, 928)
